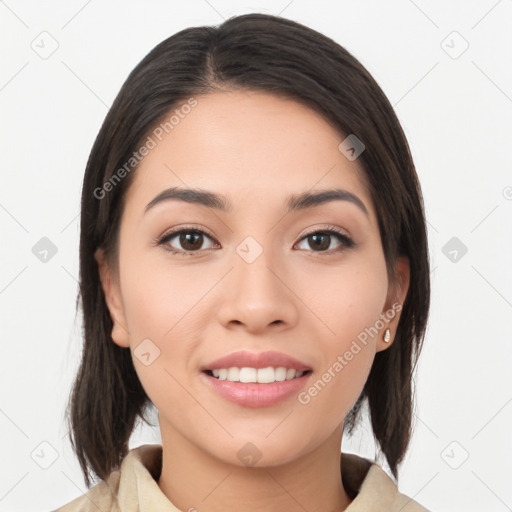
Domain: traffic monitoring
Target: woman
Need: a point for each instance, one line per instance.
(253, 263)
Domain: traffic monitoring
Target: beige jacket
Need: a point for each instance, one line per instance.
(134, 487)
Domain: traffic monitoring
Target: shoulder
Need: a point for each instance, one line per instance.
(134, 480)
(373, 489)
(406, 504)
(102, 496)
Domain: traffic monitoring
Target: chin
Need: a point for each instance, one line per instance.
(259, 450)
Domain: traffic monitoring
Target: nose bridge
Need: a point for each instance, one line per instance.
(252, 275)
(252, 263)
(256, 295)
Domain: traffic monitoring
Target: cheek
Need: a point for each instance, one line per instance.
(334, 389)
(161, 301)
(164, 317)
(348, 304)
(347, 300)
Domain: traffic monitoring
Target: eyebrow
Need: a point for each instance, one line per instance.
(219, 202)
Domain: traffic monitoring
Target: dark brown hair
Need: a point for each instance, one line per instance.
(279, 56)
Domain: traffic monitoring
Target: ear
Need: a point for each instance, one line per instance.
(110, 284)
(397, 292)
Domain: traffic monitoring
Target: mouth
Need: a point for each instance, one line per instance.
(247, 374)
(250, 379)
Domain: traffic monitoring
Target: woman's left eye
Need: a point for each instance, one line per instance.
(192, 240)
(321, 240)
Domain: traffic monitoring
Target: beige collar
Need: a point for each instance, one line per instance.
(135, 487)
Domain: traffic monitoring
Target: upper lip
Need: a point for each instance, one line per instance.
(257, 360)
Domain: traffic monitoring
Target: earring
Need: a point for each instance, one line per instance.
(387, 335)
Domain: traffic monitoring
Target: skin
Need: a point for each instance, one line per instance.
(256, 149)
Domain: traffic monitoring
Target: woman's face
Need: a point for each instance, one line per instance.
(256, 275)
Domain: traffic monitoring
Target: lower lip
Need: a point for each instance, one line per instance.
(252, 394)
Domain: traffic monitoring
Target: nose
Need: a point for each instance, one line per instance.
(256, 296)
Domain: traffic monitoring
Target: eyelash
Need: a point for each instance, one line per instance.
(346, 241)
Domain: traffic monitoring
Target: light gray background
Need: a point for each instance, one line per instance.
(455, 105)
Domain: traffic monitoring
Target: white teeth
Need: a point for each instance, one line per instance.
(248, 375)
(266, 375)
(233, 374)
(259, 375)
(280, 374)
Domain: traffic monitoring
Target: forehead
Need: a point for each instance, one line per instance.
(246, 143)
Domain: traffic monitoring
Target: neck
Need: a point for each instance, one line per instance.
(196, 481)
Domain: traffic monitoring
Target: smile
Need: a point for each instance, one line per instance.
(258, 379)
(260, 375)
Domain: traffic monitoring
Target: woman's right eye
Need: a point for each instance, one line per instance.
(189, 240)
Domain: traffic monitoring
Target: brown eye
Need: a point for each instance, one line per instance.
(320, 241)
(186, 241)
(191, 241)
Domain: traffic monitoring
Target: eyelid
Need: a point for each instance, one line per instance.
(326, 227)
(186, 227)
